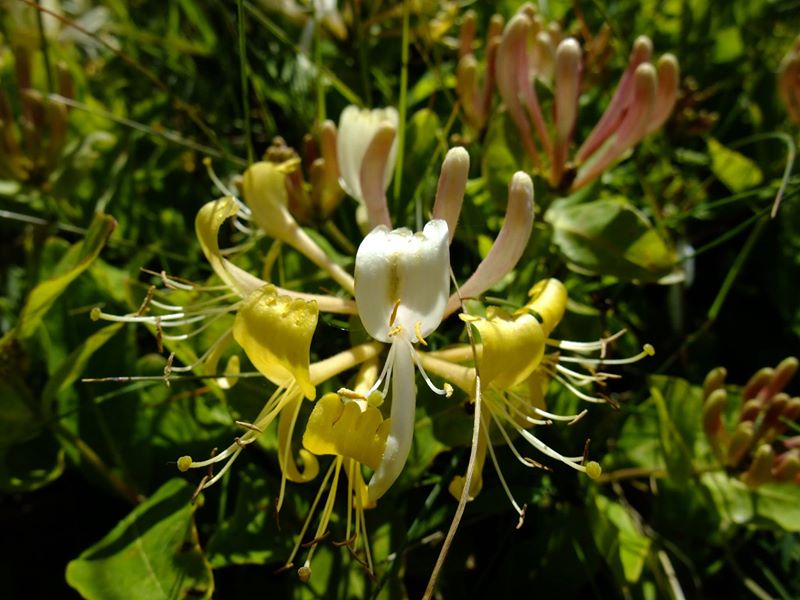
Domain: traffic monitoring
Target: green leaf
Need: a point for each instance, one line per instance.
(774, 504)
(18, 420)
(151, 553)
(619, 540)
(500, 160)
(74, 262)
(728, 44)
(735, 170)
(73, 366)
(679, 407)
(609, 237)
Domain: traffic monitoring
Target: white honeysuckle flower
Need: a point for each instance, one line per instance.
(366, 149)
(402, 283)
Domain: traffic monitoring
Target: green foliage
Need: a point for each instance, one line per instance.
(154, 551)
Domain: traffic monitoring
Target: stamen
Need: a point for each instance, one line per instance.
(212, 175)
(587, 346)
(352, 395)
(647, 350)
(148, 297)
(431, 385)
(578, 393)
(500, 474)
(583, 378)
(193, 307)
(395, 331)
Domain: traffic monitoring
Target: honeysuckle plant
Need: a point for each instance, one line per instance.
(789, 81)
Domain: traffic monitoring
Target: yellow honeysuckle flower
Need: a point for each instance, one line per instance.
(515, 370)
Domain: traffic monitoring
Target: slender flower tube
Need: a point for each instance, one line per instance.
(367, 150)
(402, 282)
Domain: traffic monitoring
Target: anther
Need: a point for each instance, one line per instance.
(146, 302)
(393, 316)
(249, 426)
(168, 368)
(418, 333)
(448, 389)
(395, 330)
(521, 519)
(304, 573)
(353, 395)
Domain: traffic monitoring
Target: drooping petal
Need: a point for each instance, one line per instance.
(668, 79)
(374, 166)
(403, 279)
(512, 347)
(275, 332)
(345, 429)
(286, 425)
(509, 245)
(398, 443)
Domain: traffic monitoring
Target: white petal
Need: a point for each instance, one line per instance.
(412, 268)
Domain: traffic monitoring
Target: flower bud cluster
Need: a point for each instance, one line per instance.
(755, 446)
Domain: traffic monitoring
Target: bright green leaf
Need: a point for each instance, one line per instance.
(735, 170)
(609, 237)
(619, 540)
(152, 553)
(77, 259)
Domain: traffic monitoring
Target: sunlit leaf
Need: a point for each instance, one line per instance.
(733, 169)
(77, 259)
(619, 539)
(152, 553)
(609, 237)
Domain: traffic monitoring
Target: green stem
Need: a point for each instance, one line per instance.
(735, 269)
(248, 134)
(45, 49)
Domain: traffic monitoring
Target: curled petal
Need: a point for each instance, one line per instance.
(403, 279)
(346, 429)
(275, 332)
(548, 302)
(452, 183)
(286, 424)
(509, 245)
(207, 224)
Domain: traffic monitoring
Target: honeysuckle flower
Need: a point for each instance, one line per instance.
(789, 81)
(644, 99)
(753, 447)
(366, 150)
(515, 370)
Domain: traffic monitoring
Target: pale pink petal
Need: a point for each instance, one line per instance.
(452, 183)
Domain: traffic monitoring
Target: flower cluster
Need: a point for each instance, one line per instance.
(400, 291)
(531, 61)
(755, 445)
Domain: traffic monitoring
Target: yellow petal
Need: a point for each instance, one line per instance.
(512, 347)
(345, 429)
(207, 223)
(548, 301)
(275, 332)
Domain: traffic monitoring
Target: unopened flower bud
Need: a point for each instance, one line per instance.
(756, 383)
(740, 443)
(760, 470)
(787, 466)
(712, 417)
(714, 380)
